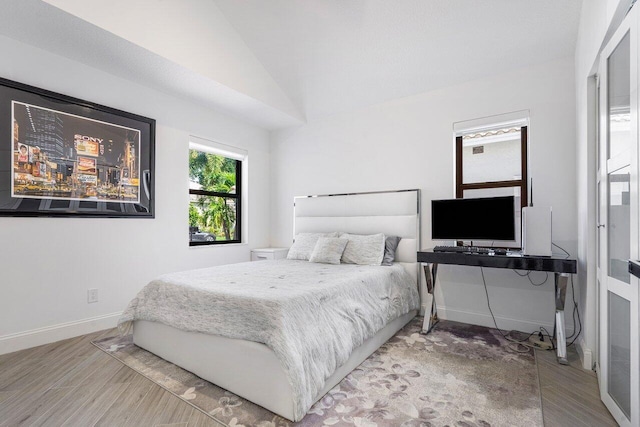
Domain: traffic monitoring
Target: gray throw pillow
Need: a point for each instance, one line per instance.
(390, 246)
(328, 250)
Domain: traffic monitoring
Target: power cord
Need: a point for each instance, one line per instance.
(568, 254)
(528, 276)
(575, 312)
(548, 335)
(506, 336)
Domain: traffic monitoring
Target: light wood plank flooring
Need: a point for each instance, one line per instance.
(72, 383)
(570, 395)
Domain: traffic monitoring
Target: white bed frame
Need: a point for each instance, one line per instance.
(251, 369)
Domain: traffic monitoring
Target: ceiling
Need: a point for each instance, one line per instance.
(279, 63)
(331, 56)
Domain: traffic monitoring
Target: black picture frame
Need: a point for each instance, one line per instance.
(68, 157)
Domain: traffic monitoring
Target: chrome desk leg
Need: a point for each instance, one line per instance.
(561, 280)
(431, 313)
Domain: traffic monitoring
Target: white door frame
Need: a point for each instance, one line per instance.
(607, 166)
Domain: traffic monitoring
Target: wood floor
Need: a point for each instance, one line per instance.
(72, 383)
(570, 395)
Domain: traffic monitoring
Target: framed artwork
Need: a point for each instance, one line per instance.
(69, 157)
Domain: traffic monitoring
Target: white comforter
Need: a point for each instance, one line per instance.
(311, 315)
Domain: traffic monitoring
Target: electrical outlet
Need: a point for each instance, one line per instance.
(92, 295)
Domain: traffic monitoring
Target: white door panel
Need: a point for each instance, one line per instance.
(618, 219)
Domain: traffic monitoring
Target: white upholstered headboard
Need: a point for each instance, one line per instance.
(394, 213)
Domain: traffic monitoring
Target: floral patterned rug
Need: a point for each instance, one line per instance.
(459, 375)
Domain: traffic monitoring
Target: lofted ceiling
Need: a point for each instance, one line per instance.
(278, 63)
(338, 55)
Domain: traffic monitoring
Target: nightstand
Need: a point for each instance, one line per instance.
(268, 253)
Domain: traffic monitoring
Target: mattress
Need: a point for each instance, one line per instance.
(312, 316)
(246, 368)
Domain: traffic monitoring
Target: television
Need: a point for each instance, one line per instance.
(490, 218)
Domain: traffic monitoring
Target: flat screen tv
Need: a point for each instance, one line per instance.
(490, 218)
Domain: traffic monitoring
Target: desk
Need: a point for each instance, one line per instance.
(560, 266)
(634, 268)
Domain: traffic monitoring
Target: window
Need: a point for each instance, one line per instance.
(215, 198)
(491, 161)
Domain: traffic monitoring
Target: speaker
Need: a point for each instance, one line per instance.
(536, 231)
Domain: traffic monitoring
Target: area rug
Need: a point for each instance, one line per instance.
(458, 375)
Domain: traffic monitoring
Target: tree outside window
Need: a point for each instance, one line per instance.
(215, 198)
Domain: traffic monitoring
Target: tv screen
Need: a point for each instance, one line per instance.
(491, 218)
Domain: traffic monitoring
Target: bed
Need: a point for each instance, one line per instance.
(244, 353)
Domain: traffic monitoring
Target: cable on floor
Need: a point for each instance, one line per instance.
(575, 311)
(518, 343)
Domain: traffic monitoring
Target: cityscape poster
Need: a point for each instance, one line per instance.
(67, 157)
(62, 156)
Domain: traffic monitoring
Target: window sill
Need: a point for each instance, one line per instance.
(218, 245)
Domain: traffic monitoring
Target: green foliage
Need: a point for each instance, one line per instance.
(194, 216)
(215, 215)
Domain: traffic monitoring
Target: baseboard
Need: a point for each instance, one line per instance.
(485, 319)
(586, 355)
(35, 337)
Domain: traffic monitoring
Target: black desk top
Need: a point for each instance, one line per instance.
(634, 268)
(517, 262)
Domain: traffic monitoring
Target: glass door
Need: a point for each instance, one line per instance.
(618, 224)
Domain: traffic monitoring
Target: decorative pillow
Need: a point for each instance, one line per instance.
(363, 250)
(328, 250)
(390, 246)
(304, 244)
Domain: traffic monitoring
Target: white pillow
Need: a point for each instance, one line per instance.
(304, 244)
(363, 250)
(328, 250)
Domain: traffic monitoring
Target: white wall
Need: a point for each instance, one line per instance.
(47, 264)
(408, 143)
